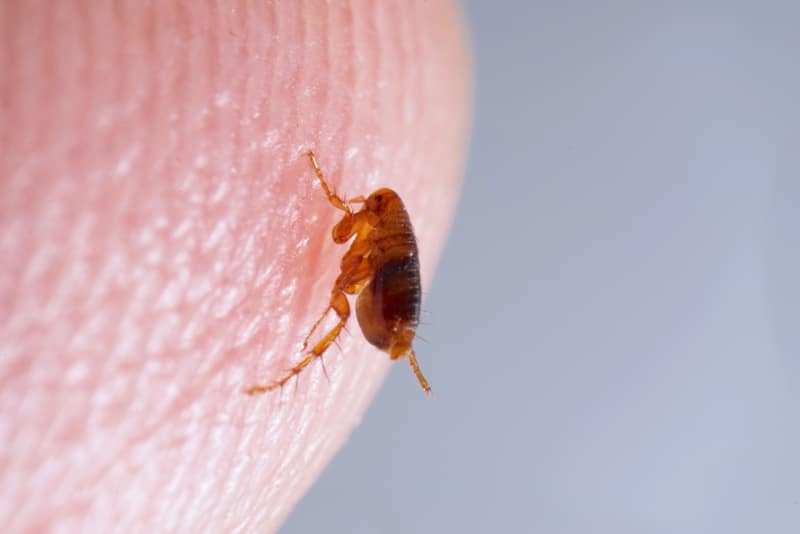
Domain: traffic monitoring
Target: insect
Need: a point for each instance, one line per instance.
(382, 268)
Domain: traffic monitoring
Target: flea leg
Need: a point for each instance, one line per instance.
(314, 327)
(412, 359)
(355, 270)
(333, 198)
(342, 307)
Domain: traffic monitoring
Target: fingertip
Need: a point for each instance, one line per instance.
(173, 232)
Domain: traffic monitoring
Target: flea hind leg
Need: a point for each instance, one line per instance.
(350, 282)
(342, 308)
(315, 325)
(354, 272)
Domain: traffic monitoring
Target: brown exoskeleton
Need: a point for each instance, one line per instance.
(382, 268)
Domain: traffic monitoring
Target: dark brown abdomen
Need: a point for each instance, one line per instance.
(391, 299)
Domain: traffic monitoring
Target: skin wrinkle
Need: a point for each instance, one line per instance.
(154, 251)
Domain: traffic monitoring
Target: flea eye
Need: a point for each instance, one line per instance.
(375, 202)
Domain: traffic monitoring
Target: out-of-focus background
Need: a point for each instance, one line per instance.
(615, 327)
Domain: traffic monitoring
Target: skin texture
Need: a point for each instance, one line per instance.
(164, 244)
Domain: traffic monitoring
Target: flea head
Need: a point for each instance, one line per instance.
(381, 201)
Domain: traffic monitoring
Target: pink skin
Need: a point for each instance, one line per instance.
(164, 244)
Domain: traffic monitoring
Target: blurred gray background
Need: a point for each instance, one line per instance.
(615, 327)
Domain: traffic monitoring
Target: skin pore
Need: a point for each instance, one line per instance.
(164, 244)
